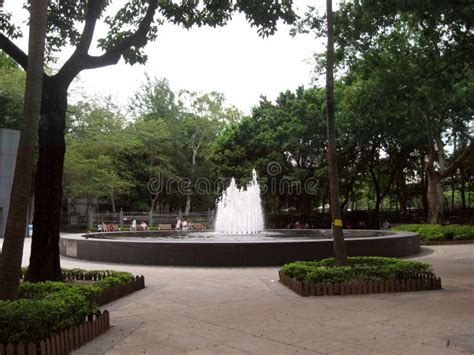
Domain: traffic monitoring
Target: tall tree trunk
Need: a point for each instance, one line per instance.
(340, 253)
(424, 186)
(435, 192)
(112, 201)
(44, 259)
(12, 253)
(453, 189)
(462, 189)
(376, 220)
(195, 148)
(435, 198)
(153, 202)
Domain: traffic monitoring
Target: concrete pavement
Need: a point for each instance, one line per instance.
(247, 311)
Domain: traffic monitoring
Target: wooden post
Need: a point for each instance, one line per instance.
(331, 290)
(403, 285)
(81, 334)
(107, 318)
(31, 349)
(10, 349)
(381, 287)
(77, 338)
(20, 349)
(58, 344)
(48, 346)
(62, 342)
(53, 345)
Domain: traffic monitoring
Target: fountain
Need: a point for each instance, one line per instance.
(239, 239)
(239, 211)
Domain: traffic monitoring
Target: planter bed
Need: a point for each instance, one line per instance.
(361, 275)
(435, 234)
(107, 294)
(360, 288)
(115, 292)
(65, 341)
(58, 317)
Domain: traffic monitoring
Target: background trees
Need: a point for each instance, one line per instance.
(12, 89)
(129, 30)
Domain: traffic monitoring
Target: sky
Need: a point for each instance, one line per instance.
(232, 60)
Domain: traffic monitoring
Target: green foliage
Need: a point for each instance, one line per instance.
(358, 269)
(437, 232)
(12, 90)
(115, 279)
(46, 308)
(92, 168)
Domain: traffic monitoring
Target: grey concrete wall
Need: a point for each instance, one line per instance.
(9, 139)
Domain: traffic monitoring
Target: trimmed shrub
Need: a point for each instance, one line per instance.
(358, 269)
(46, 308)
(44, 314)
(437, 232)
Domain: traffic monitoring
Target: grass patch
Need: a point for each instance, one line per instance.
(366, 268)
(437, 232)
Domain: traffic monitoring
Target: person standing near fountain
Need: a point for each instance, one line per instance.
(178, 223)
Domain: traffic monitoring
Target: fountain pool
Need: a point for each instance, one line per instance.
(239, 240)
(271, 248)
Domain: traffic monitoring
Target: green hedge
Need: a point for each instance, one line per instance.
(46, 308)
(365, 268)
(437, 232)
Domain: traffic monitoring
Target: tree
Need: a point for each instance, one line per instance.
(156, 155)
(285, 141)
(202, 119)
(10, 261)
(95, 139)
(134, 24)
(435, 42)
(155, 99)
(340, 253)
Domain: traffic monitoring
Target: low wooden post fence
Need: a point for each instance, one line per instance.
(65, 341)
(115, 292)
(421, 283)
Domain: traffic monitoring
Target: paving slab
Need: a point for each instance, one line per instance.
(187, 310)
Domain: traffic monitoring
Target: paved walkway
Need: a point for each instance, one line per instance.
(247, 311)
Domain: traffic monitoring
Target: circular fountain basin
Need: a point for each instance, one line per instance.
(196, 248)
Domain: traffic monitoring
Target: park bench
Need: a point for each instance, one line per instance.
(199, 226)
(164, 226)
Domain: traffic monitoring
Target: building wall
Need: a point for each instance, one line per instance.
(9, 140)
